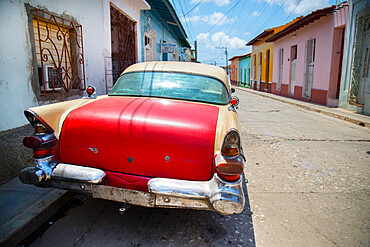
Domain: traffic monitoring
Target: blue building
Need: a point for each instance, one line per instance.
(163, 36)
(245, 70)
(355, 81)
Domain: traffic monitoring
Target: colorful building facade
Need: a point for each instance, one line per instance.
(163, 36)
(240, 70)
(262, 59)
(308, 55)
(245, 70)
(234, 73)
(355, 83)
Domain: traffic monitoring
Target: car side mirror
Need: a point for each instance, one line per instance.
(232, 90)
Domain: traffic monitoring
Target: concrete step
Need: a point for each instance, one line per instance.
(24, 208)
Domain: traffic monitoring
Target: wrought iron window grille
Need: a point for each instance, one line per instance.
(59, 52)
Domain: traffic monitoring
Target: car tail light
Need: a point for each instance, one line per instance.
(40, 141)
(231, 145)
(32, 141)
(39, 125)
(43, 140)
(229, 168)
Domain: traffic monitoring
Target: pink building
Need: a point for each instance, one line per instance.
(308, 56)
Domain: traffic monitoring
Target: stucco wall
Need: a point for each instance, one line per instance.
(321, 30)
(234, 75)
(16, 70)
(245, 69)
(163, 33)
(262, 47)
(354, 7)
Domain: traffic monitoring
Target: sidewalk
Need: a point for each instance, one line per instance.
(339, 113)
(24, 208)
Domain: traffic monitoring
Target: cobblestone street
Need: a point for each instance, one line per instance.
(307, 186)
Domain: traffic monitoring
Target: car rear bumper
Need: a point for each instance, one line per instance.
(215, 195)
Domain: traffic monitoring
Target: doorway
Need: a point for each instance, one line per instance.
(267, 73)
(309, 68)
(293, 68)
(259, 70)
(123, 35)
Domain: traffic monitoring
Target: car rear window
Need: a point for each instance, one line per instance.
(171, 85)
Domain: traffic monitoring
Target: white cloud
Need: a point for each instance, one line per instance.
(255, 13)
(220, 19)
(208, 41)
(217, 18)
(221, 39)
(216, 2)
(304, 7)
(204, 40)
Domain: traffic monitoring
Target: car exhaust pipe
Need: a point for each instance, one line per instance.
(32, 175)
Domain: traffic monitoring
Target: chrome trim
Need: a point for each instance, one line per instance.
(81, 174)
(47, 169)
(39, 172)
(216, 194)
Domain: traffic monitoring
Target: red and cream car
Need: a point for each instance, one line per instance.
(165, 136)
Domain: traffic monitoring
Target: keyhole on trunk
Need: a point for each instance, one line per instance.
(130, 159)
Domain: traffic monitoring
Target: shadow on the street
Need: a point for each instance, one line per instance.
(99, 221)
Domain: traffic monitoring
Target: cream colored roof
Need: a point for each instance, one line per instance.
(184, 67)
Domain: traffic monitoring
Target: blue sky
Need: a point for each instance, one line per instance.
(232, 23)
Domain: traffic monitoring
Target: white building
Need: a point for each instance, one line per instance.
(51, 50)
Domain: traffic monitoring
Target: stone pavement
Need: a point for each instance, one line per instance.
(339, 113)
(24, 208)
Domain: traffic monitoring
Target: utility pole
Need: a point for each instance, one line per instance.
(196, 51)
(225, 48)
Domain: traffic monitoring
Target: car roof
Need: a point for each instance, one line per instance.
(183, 67)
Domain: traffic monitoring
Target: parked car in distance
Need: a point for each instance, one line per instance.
(165, 136)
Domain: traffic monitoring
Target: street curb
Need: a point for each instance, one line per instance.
(25, 223)
(314, 108)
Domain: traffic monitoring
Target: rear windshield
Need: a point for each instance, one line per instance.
(171, 85)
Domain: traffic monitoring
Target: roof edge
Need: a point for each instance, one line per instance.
(314, 15)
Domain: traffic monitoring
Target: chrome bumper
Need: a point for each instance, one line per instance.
(215, 195)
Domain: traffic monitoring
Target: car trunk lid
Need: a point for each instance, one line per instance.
(142, 136)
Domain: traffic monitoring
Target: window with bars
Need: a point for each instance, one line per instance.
(59, 52)
(280, 78)
(309, 67)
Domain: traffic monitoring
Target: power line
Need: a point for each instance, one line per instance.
(262, 11)
(257, 17)
(220, 19)
(247, 16)
(186, 23)
(292, 11)
(270, 17)
(191, 25)
(241, 9)
(192, 8)
(228, 23)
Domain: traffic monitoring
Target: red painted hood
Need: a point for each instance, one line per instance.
(142, 136)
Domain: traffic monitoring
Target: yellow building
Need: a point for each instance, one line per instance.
(262, 58)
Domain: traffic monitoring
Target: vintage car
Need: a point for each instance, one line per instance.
(165, 136)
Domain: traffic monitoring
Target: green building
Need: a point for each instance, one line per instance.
(245, 70)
